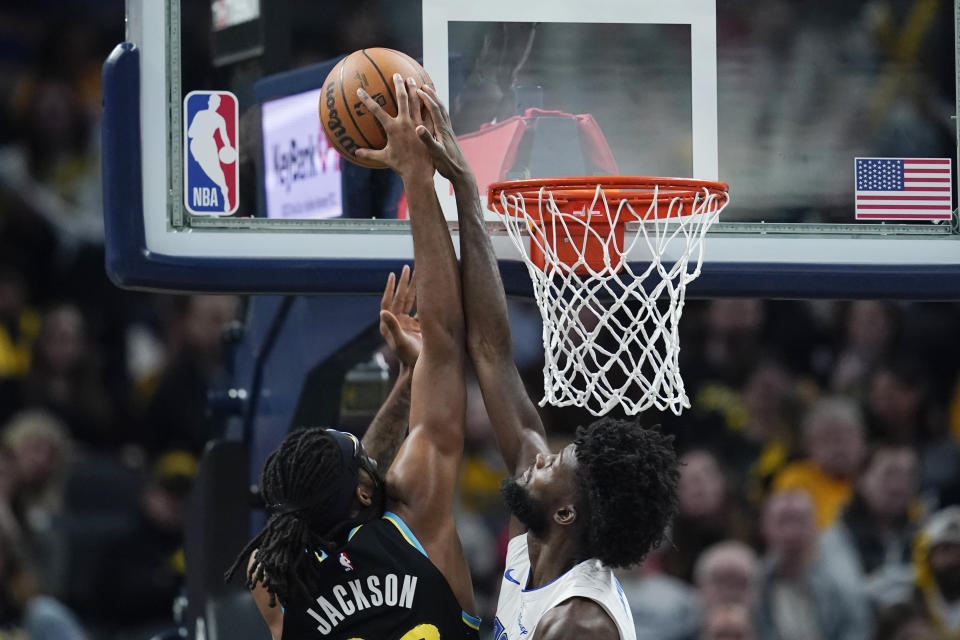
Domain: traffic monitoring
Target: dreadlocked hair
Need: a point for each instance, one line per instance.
(304, 465)
(627, 482)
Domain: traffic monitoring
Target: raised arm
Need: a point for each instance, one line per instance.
(516, 423)
(402, 334)
(422, 479)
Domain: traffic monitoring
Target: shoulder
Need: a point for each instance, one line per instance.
(577, 618)
(517, 559)
(517, 546)
(392, 525)
(269, 608)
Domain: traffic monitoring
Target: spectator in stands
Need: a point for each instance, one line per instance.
(729, 347)
(765, 441)
(896, 402)
(24, 611)
(728, 622)
(871, 327)
(39, 452)
(175, 416)
(65, 376)
(707, 513)
(874, 534)
(937, 571)
(147, 568)
(56, 166)
(726, 574)
(19, 325)
(903, 621)
(833, 433)
(724, 343)
(663, 607)
(799, 595)
(900, 409)
(955, 412)
(750, 428)
(10, 528)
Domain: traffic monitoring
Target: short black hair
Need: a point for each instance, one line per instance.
(627, 483)
(300, 470)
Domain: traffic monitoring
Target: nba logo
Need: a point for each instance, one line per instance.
(210, 153)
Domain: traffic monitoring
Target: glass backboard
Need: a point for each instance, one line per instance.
(777, 99)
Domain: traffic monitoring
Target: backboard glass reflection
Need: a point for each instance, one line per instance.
(776, 100)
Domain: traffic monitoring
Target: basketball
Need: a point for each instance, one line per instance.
(346, 122)
(228, 155)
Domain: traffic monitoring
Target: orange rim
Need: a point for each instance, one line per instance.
(638, 191)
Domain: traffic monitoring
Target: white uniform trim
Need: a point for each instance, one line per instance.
(519, 610)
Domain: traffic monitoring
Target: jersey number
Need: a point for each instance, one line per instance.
(419, 632)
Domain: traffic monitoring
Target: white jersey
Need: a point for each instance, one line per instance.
(519, 610)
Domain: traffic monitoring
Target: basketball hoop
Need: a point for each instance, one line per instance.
(611, 304)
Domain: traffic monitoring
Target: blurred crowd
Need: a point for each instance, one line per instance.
(821, 480)
(102, 392)
(819, 492)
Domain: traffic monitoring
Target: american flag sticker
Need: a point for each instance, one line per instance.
(903, 188)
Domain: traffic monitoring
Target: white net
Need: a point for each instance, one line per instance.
(611, 308)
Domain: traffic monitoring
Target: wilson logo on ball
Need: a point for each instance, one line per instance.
(347, 122)
(334, 126)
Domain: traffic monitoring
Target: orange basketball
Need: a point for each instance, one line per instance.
(346, 120)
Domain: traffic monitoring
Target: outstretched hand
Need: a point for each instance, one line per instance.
(399, 328)
(404, 152)
(441, 142)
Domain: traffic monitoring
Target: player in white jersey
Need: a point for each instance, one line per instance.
(602, 502)
(523, 611)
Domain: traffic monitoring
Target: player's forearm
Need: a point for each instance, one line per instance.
(389, 427)
(516, 424)
(439, 305)
(438, 394)
(485, 304)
